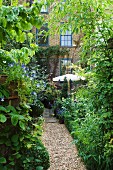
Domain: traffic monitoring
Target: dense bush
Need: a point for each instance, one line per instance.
(37, 109)
(64, 92)
(20, 134)
(35, 157)
(87, 127)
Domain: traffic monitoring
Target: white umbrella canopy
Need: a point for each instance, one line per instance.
(72, 77)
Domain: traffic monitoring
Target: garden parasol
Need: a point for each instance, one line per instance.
(69, 77)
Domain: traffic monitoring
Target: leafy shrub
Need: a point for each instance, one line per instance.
(16, 126)
(90, 131)
(37, 109)
(64, 92)
(18, 134)
(88, 137)
(35, 157)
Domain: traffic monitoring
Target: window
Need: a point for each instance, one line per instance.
(44, 8)
(66, 39)
(41, 38)
(30, 1)
(65, 66)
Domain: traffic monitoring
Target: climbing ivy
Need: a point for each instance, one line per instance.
(45, 56)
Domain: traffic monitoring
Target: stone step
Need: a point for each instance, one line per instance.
(51, 120)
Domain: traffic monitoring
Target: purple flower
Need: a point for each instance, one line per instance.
(11, 65)
(23, 66)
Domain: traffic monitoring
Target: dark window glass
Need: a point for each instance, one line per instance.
(41, 38)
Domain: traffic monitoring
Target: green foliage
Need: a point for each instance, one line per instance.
(87, 127)
(88, 138)
(36, 157)
(18, 130)
(51, 52)
(64, 93)
(45, 56)
(92, 123)
(20, 136)
(37, 109)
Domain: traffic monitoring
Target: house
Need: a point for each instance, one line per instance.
(61, 63)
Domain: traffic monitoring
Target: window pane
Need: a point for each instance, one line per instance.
(42, 40)
(62, 43)
(66, 40)
(44, 9)
(69, 43)
(69, 38)
(65, 66)
(62, 38)
(66, 43)
(66, 37)
(68, 32)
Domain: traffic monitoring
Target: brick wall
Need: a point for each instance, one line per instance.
(55, 40)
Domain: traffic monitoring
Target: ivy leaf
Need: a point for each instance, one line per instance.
(3, 109)
(21, 138)
(26, 25)
(38, 160)
(14, 138)
(14, 2)
(18, 156)
(2, 118)
(0, 3)
(4, 22)
(5, 93)
(22, 37)
(30, 36)
(14, 120)
(39, 168)
(2, 160)
(11, 108)
(29, 145)
(22, 125)
(12, 163)
(37, 23)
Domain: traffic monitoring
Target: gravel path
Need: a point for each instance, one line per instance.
(63, 154)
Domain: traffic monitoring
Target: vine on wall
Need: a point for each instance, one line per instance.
(49, 58)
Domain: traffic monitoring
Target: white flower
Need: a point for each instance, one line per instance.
(4, 61)
(2, 99)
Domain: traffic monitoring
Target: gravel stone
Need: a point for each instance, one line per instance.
(63, 153)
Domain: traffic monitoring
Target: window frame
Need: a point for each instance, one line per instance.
(65, 59)
(41, 35)
(66, 41)
(42, 12)
(45, 8)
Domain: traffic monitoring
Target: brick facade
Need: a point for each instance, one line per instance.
(55, 40)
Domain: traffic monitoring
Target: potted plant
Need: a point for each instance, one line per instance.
(60, 115)
(37, 109)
